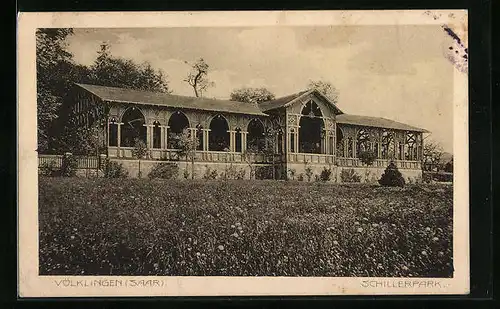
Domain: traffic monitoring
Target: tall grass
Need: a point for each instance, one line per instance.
(243, 228)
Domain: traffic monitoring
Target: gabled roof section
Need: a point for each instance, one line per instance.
(123, 95)
(290, 99)
(377, 122)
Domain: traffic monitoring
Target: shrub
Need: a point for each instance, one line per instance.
(392, 177)
(326, 174)
(367, 157)
(114, 170)
(300, 177)
(292, 172)
(49, 168)
(209, 173)
(68, 165)
(349, 175)
(308, 171)
(164, 171)
(264, 172)
(186, 174)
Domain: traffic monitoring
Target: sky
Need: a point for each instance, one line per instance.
(396, 72)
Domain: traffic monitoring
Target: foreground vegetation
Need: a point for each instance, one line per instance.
(245, 228)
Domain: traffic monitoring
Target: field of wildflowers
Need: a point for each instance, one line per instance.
(243, 228)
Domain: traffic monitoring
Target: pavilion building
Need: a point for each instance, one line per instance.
(292, 135)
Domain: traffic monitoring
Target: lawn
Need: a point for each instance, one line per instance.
(243, 228)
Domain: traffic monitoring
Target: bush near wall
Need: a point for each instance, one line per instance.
(114, 169)
(349, 175)
(264, 172)
(392, 177)
(164, 171)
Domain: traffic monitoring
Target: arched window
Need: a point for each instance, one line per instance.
(340, 142)
(219, 135)
(156, 135)
(279, 142)
(199, 137)
(133, 127)
(238, 140)
(255, 138)
(177, 123)
(311, 128)
(113, 133)
(363, 141)
(350, 150)
(387, 144)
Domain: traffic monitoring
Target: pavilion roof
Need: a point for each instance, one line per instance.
(123, 95)
(377, 122)
(290, 99)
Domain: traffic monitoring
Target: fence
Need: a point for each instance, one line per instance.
(83, 162)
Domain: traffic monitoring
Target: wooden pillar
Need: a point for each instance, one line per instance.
(119, 138)
(296, 140)
(205, 139)
(244, 141)
(354, 150)
(165, 136)
(232, 141)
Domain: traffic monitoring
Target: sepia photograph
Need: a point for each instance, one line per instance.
(285, 150)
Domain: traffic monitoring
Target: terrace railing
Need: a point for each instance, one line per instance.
(83, 162)
(381, 163)
(311, 158)
(200, 156)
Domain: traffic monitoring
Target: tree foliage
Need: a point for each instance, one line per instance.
(54, 70)
(125, 73)
(198, 77)
(326, 88)
(187, 146)
(57, 71)
(432, 154)
(251, 95)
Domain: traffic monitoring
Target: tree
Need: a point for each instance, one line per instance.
(139, 151)
(197, 77)
(431, 156)
(125, 73)
(187, 146)
(326, 88)
(251, 95)
(54, 65)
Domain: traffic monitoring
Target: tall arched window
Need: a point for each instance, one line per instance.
(362, 141)
(133, 127)
(219, 134)
(350, 149)
(311, 128)
(238, 140)
(279, 142)
(255, 137)
(199, 137)
(340, 143)
(156, 135)
(113, 133)
(177, 123)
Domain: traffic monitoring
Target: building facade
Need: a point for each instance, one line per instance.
(296, 135)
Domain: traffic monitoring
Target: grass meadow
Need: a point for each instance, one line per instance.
(243, 228)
